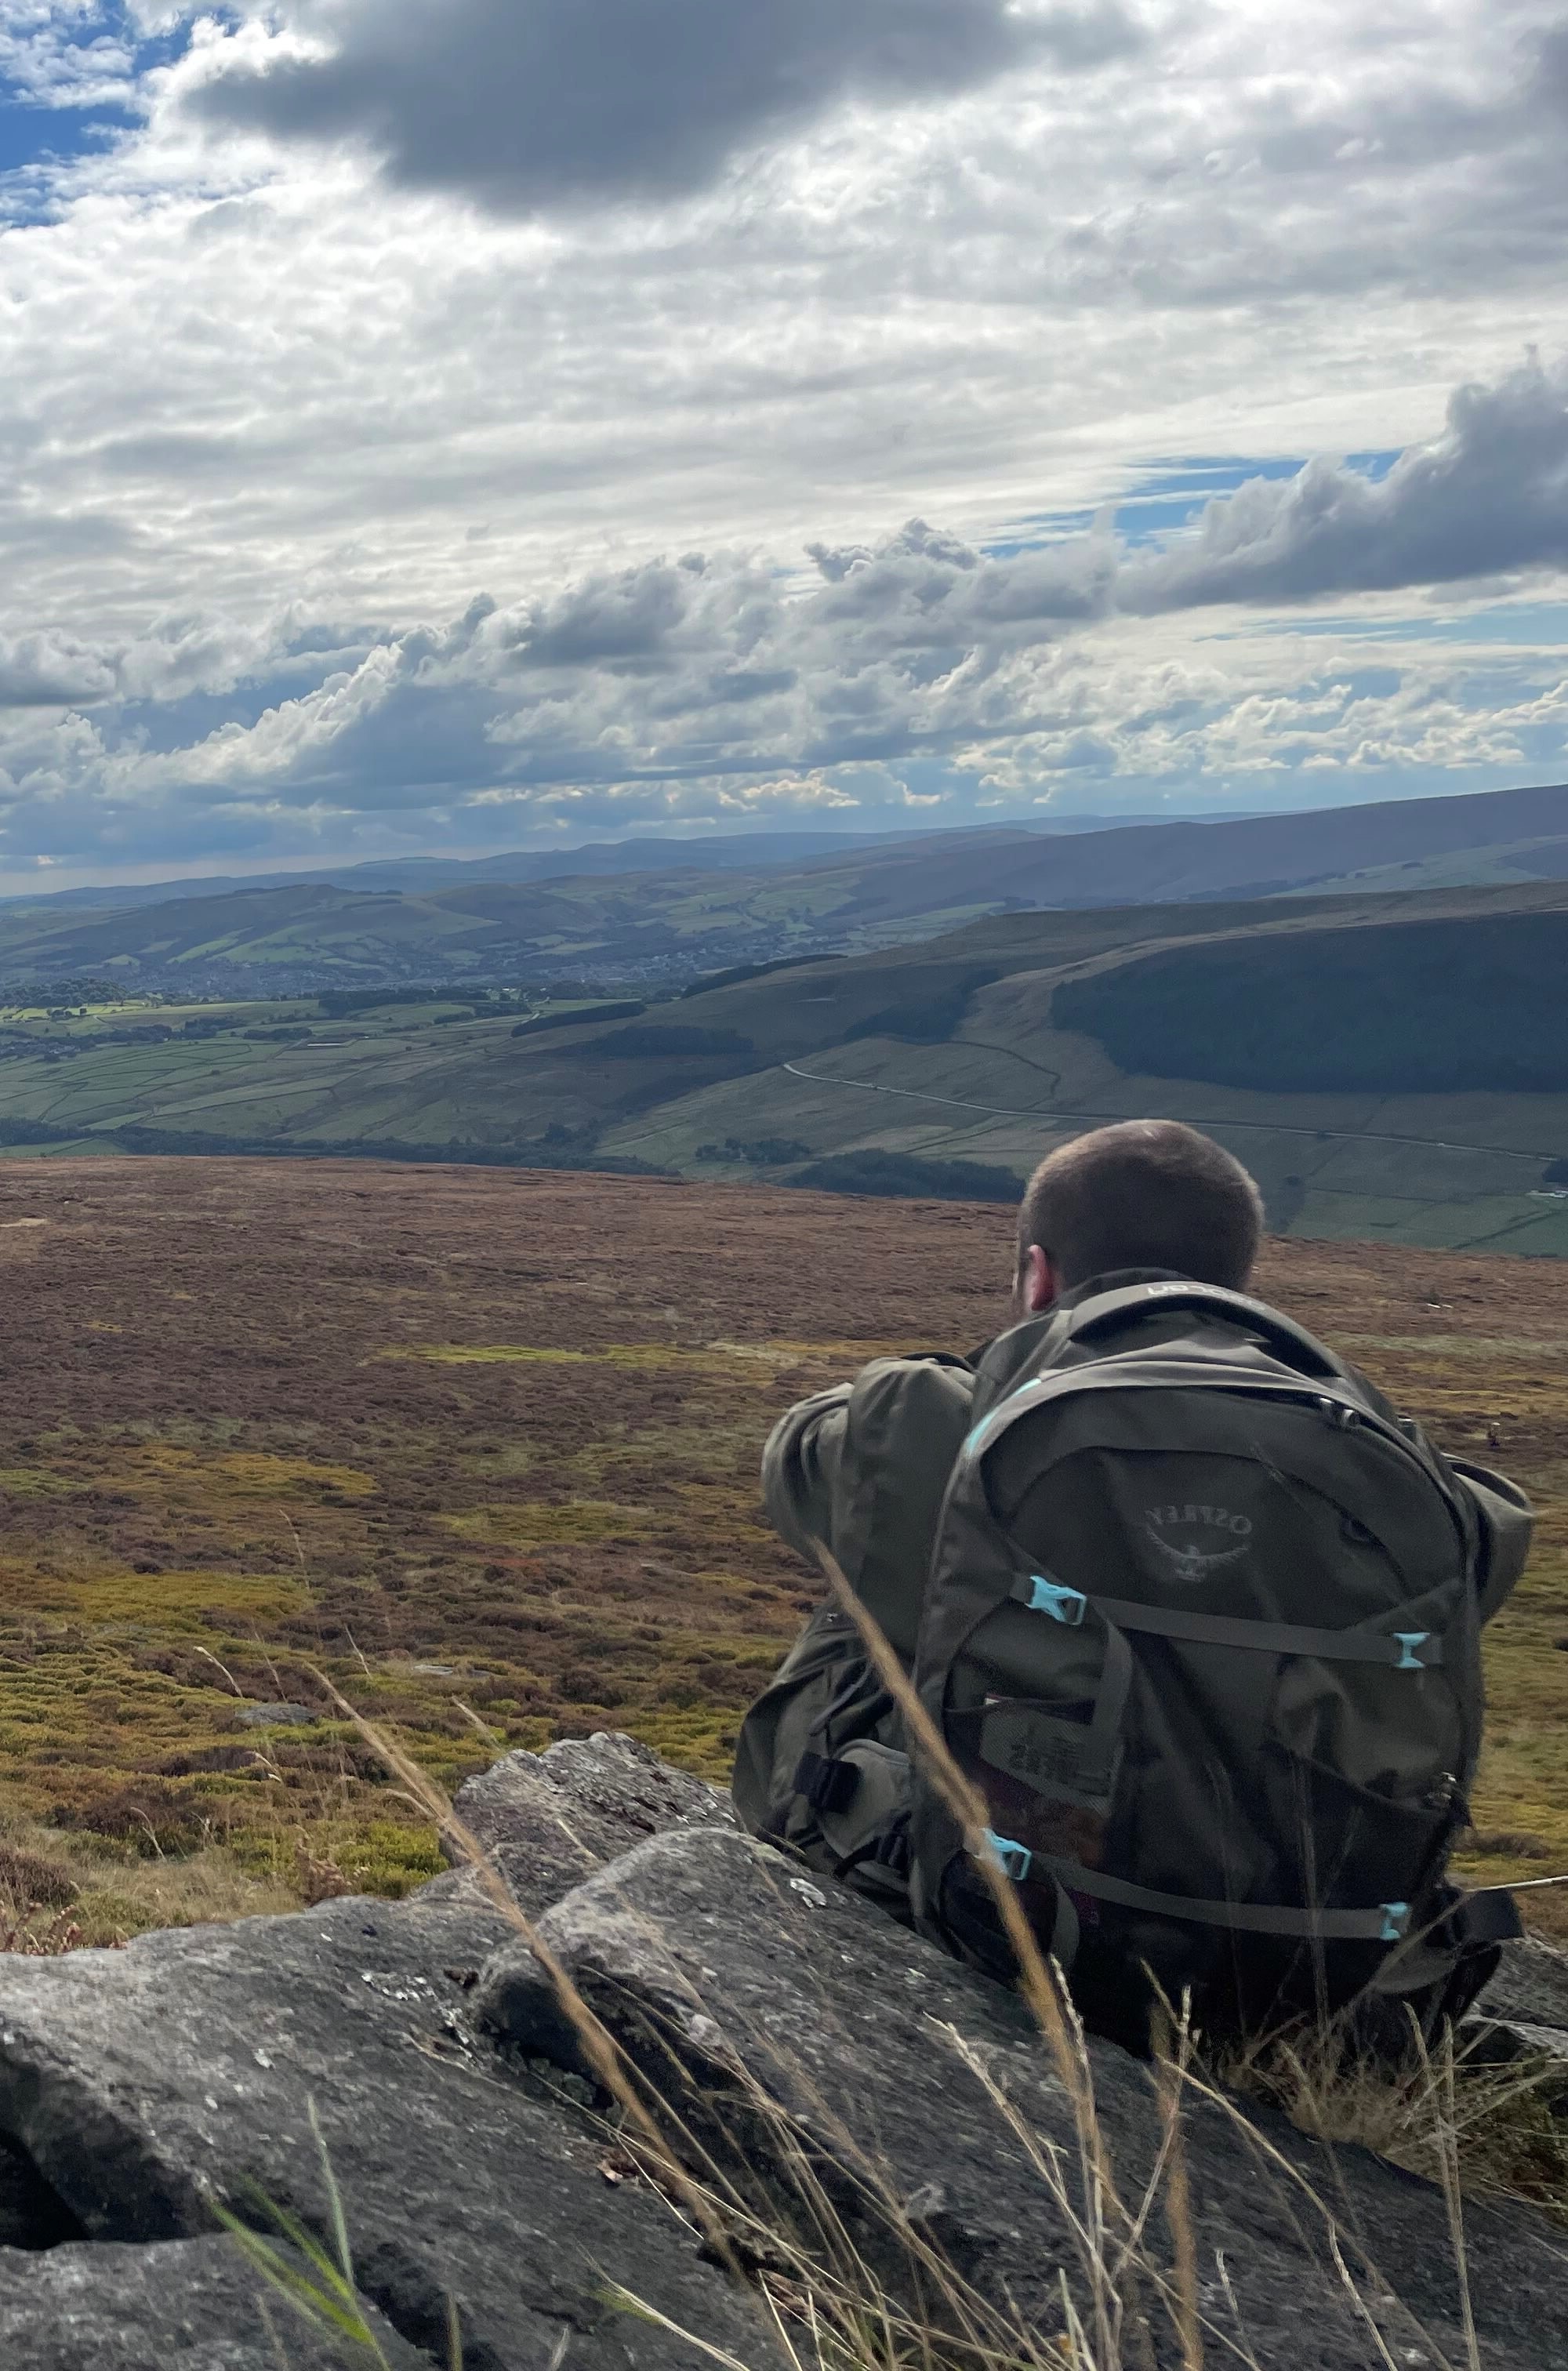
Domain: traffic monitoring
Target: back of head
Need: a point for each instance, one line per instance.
(1146, 1193)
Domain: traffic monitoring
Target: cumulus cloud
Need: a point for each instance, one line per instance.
(983, 308)
(920, 648)
(530, 104)
(48, 671)
(67, 54)
(1488, 498)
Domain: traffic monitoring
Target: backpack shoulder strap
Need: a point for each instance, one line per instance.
(1107, 1310)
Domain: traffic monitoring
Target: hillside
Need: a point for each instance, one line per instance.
(1388, 1066)
(1425, 1103)
(1431, 1007)
(483, 1448)
(658, 914)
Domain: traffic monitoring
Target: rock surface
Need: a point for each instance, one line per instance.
(812, 2051)
(276, 1716)
(142, 2084)
(548, 1819)
(1531, 1986)
(707, 1947)
(192, 2306)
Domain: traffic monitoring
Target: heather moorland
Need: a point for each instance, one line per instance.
(478, 1448)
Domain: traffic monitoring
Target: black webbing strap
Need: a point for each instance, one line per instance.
(1385, 1924)
(1403, 1651)
(1097, 1763)
(827, 1785)
(1406, 1650)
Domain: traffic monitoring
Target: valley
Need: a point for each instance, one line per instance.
(1391, 1066)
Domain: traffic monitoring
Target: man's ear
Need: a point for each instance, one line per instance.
(1039, 1281)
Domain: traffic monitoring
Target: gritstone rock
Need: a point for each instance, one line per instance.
(814, 2051)
(142, 2084)
(706, 1951)
(192, 2306)
(546, 1820)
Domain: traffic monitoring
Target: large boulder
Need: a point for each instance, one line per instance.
(812, 2051)
(229, 2063)
(826, 2073)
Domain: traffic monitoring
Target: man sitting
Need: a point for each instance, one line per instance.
(1203, 1761)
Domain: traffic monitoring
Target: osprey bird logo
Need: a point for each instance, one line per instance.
(1192, 1564)
(1170, 1529)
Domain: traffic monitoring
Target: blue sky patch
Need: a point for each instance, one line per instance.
(1169, 494)
(56, 135)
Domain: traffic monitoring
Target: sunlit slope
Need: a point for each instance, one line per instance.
(1461, 1168)
(953, 1047)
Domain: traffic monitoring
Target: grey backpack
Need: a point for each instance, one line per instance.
(1203, 1626)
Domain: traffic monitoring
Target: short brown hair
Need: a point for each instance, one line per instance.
(1147, 1193)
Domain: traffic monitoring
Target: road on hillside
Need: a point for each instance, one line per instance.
(1102, 1118)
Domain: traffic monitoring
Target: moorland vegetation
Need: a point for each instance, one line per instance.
(478, 1447)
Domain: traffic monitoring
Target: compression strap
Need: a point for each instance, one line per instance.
(1406, 1650)
(1387, 1923)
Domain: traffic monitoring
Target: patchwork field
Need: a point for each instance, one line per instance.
(479, 1447)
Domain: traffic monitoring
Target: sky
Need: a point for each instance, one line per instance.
(449, 425)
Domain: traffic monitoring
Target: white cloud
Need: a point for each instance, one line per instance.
(63, 53)
(266, 405)
(919, 671)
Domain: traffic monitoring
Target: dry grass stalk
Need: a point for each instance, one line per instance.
(601, 2052)
(1445, 2114)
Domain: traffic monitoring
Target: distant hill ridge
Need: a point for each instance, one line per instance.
(640, 915)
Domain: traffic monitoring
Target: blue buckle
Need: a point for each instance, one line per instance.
(1409, 1640)
(1061, 1603)
(1396, 1919)
(1015, 1858)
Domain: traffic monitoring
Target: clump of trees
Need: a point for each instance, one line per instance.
(735, 973)
(585, 1013)
(905, 1176)
(673, 1037)
(932, 1014)
(565, 1148)
(762, 1153)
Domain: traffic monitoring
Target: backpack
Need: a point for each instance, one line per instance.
(1203, 1627)
(820, 1766)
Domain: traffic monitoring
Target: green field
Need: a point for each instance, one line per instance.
(952, 1050)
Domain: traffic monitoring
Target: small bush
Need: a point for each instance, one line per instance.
(764, 1152)
(34, 1882)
